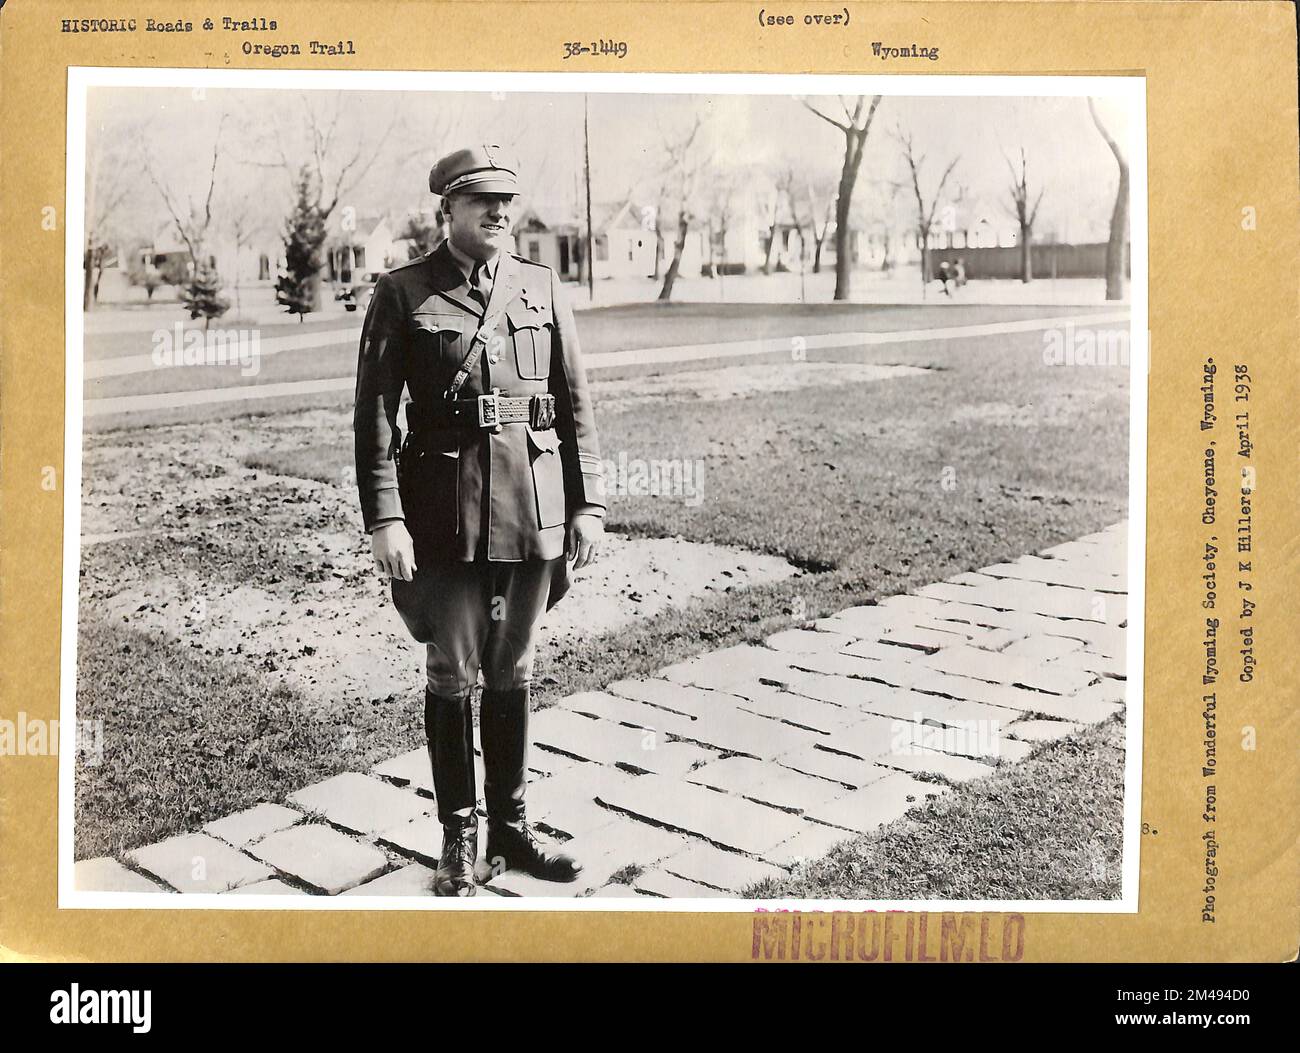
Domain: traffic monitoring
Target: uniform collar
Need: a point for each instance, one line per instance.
(467, 263)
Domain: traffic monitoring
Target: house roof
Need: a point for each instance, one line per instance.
(624, 214)
(364, 229)
(541, 215)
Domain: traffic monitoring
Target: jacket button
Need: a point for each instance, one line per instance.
(494, 358)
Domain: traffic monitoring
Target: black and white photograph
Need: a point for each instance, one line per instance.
(617, 492)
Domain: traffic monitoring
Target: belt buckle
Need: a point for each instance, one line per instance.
(541, 412)
(489, 411)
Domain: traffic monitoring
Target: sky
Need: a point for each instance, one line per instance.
(744, 138)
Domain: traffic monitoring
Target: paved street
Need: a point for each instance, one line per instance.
(650, 356)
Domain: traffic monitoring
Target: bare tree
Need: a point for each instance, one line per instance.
(338, 157)
(416, 136)
(799, 221)
(888, 192)
(660, 208)
(1024, 213)
(245, 216)
(924, 212)
(107, 185)
(820, 206)
(772, 214)
(193, 223)
(681, 174)
(1118, 215)
(856, 126)
(244, 229)
(721, 209)
(193, 219)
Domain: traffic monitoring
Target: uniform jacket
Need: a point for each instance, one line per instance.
(471, 493)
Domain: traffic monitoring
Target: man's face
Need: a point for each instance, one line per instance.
(480, 223)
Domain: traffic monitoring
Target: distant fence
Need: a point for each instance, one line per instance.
(1049, 261)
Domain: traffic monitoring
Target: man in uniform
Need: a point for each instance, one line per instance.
(497, 485)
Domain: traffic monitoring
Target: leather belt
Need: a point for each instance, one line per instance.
(484, 411)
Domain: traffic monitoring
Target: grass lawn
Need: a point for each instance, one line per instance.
(1046, 828)
(878, 487)
(188, 739)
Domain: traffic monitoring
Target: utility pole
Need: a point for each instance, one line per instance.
(586, 170)
(803, 253)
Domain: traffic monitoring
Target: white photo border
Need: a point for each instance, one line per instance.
(1128, 88)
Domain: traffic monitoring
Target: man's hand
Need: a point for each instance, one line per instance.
(394, 552)
(583, 538)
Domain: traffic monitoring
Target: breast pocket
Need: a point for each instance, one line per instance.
(531, 333)
(438, 332)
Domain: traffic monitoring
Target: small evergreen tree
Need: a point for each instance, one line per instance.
(203, 295)
(298, 288)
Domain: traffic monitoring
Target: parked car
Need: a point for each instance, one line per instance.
(357, 295)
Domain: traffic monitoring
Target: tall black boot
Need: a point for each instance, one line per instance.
(449, 728)
(511, 843)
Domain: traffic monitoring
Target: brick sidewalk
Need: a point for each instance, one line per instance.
(731, 766)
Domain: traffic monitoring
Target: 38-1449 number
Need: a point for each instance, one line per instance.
(617, 48)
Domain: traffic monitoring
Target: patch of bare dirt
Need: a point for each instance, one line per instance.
(318, 619)
(332, 638)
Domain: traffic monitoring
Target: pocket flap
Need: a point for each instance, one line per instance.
(545, 441)
(521, 317)
(437, 321)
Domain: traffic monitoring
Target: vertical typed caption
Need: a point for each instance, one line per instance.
(1229, 602)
